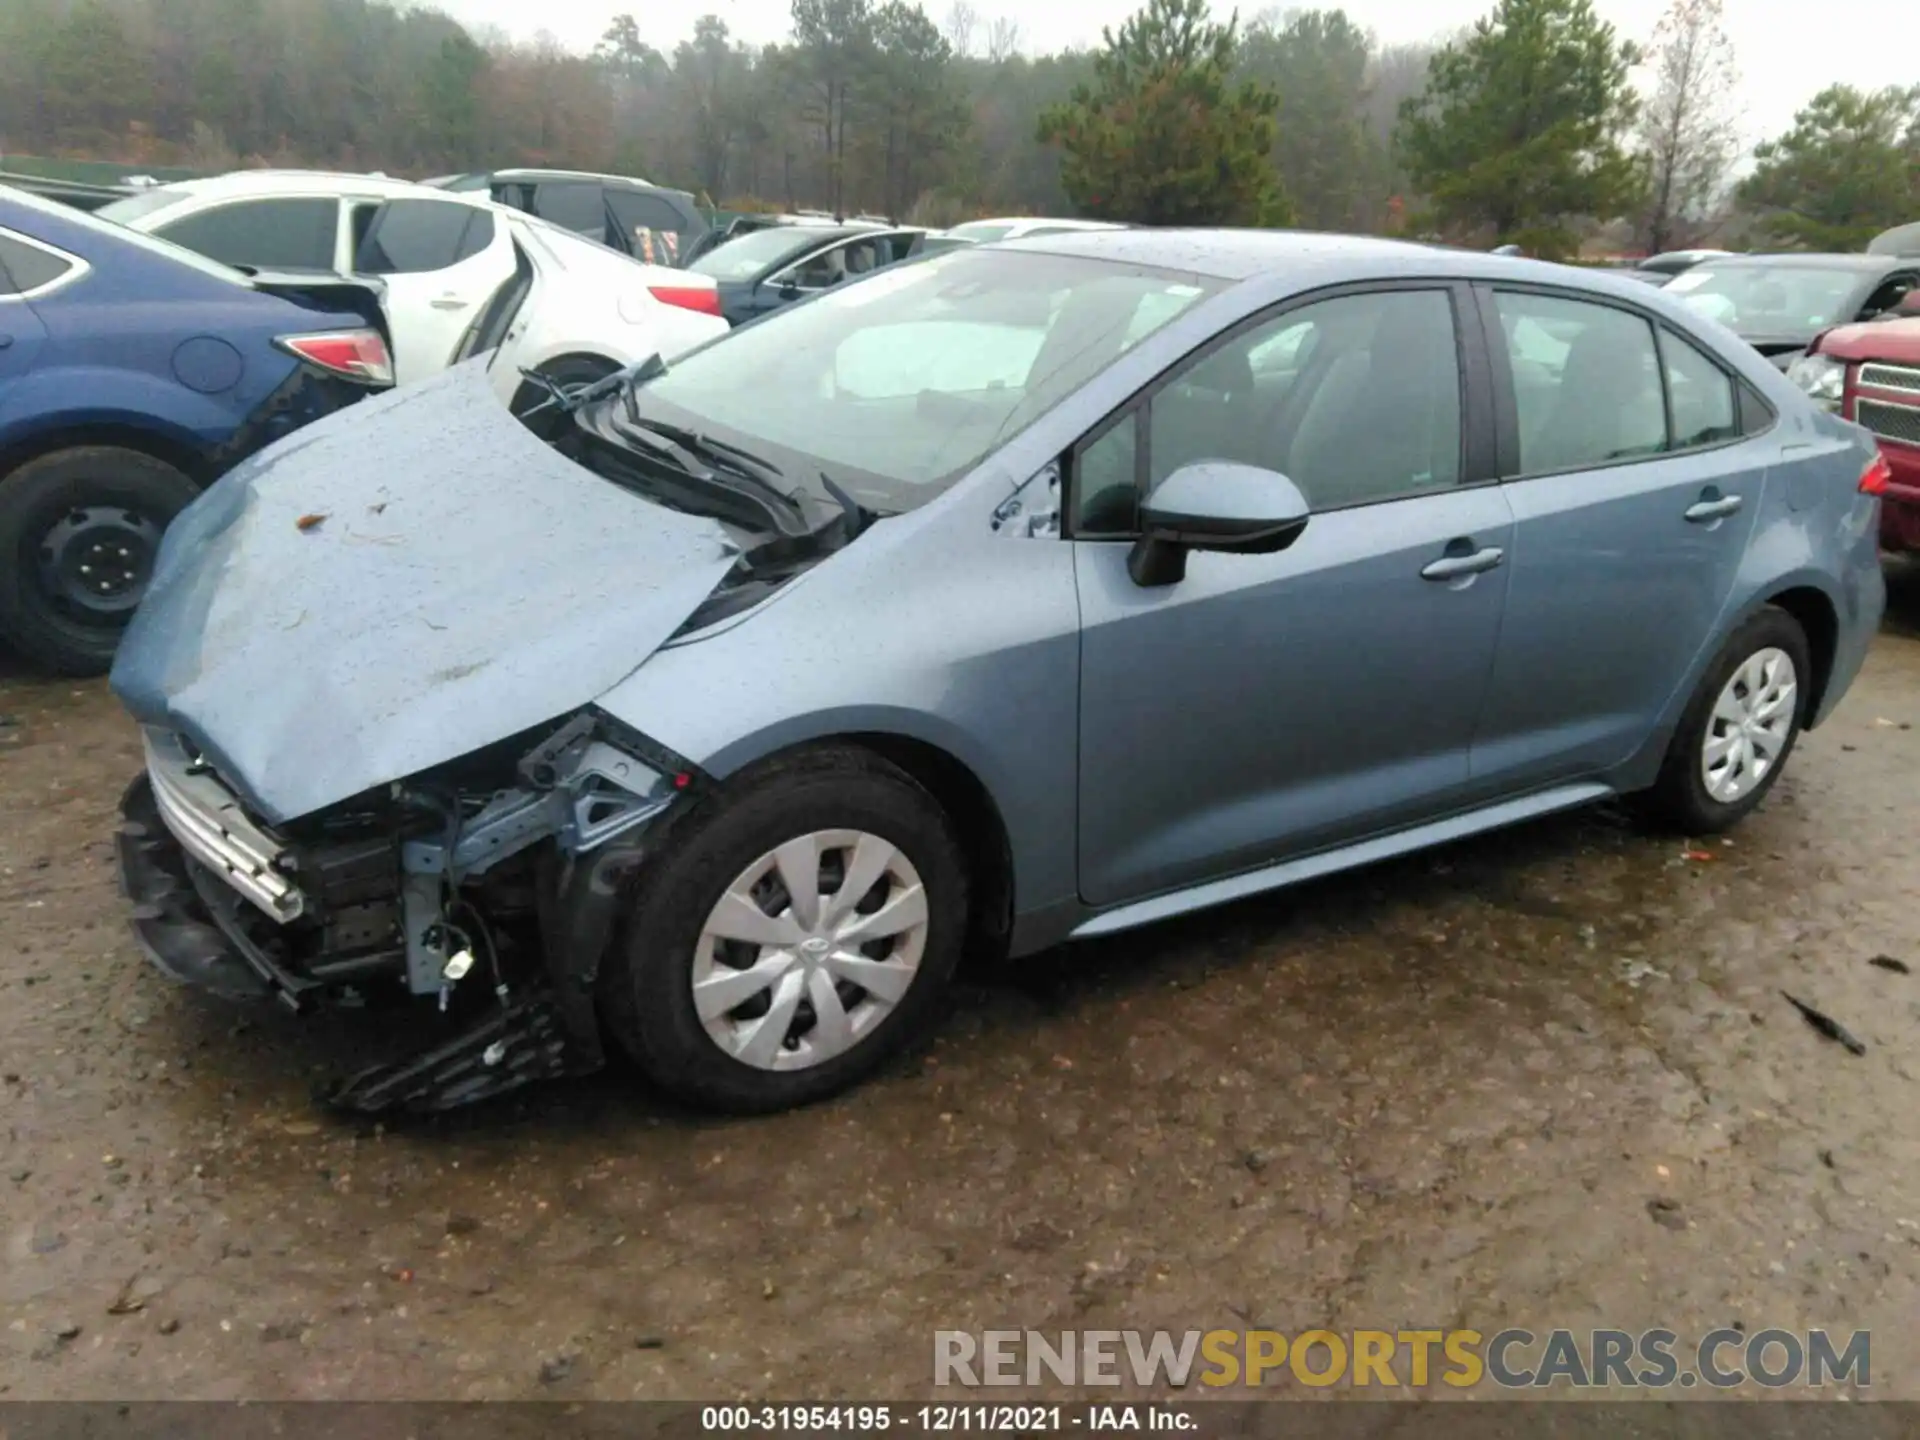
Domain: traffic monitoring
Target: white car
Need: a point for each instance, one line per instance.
(459, 274)
(1016, 227)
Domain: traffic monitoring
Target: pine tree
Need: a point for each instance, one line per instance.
(1163, 135)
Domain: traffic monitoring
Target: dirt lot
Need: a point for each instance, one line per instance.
(1546, 1078)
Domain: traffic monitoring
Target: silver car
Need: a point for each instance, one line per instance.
(1029, 592)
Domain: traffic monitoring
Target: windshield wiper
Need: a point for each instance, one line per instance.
(738, 458)
(743, 464)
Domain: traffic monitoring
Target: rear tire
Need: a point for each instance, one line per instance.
(567, 371)
(837, 1007)
(1737, 731)
(79, 532)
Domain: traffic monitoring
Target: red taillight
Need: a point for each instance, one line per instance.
(357, 354)
(704, 298)
(1876, 477)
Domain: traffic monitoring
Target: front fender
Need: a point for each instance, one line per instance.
(927, 628)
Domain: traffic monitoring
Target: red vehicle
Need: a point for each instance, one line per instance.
(1870, 373)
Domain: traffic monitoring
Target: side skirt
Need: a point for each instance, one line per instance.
(1348, 857)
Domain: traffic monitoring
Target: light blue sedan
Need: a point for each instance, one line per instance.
(1028, 592)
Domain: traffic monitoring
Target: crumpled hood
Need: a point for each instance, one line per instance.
(396, 586)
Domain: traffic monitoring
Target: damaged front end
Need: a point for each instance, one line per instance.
(487, 887)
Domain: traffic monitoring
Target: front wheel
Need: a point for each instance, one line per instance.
(79, 532)
(1734, 738)
(792, 937)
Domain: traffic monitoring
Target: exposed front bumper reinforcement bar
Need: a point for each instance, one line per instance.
(210, 824)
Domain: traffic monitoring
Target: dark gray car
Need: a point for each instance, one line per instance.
(1022, 593)
(762, 270)
(1778, 303)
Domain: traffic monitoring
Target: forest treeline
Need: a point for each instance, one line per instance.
(1539, 123)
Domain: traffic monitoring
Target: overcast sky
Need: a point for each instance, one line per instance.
(1788, 49)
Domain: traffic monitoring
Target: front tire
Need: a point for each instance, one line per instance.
(79, 532)
(798, 931)
(1734, 738)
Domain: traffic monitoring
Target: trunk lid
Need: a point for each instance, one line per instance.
(328, 295)
(397, 586)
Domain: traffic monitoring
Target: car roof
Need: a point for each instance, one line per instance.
(1042, 220)
(1808, 260)
(242, 183)
(537, 175)
(1242, 254)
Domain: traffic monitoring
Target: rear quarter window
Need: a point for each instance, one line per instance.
(26, 269)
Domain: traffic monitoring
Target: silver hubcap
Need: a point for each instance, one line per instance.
(1751, 723)
(809, 949)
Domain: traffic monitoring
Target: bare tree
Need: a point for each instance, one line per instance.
(1003, 39)
(1689, 128)
(962, 21)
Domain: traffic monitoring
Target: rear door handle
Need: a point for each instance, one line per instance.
(449, 302)
(1705, 510)
(5, 341)
(1452, 567)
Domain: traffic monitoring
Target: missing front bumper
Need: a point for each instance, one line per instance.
(540, 1034)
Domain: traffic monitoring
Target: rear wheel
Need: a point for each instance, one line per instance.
(569, 371)
(792, 938)
(79, 532)
(1734, 738)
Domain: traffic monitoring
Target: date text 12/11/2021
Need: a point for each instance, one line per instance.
(943, 1419)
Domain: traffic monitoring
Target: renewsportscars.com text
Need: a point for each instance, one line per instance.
(1511, 1359)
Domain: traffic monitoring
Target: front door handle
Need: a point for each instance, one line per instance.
(1704, 511)
(1452, 567)
(449, 302)
(6, 341)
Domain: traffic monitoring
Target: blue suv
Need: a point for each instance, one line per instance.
(133, 373)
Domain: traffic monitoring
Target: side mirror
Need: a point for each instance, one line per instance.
(1214, 505)
(1909, 306)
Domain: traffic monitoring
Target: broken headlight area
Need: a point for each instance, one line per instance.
(485, 888)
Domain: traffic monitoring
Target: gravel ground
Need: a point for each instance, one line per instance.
(1545, 1078)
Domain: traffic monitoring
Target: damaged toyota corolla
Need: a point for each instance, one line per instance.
(1027, 592)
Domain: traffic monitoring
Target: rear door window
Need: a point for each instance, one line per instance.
(267, 234)
(1586, 382)
(412, 237)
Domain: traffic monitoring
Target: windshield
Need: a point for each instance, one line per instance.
(745, 256)
(147, 202)
(898, 385)
(983, 231)
(1772, 299)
